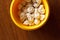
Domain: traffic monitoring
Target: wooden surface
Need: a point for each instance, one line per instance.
(50, 31)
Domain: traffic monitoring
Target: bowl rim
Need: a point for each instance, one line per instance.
(35, 27)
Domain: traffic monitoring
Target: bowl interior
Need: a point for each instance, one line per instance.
(14, 15)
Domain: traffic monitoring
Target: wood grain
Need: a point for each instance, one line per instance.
(50, 31)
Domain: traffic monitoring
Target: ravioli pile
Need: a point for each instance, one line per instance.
(31, 12)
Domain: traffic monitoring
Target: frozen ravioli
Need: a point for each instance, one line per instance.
(36, 21)
(42, 17)
(26, 22)
(36, 14)
(30, 9)
(22, 16)
(41, 9)
(29, 17)
(36, 3)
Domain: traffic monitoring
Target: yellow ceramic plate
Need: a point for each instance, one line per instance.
(15, 18)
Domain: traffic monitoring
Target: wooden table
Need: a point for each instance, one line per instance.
(50, 31)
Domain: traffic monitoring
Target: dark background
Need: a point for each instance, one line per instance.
(50, 31)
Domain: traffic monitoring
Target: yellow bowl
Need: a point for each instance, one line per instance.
(16, 20)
